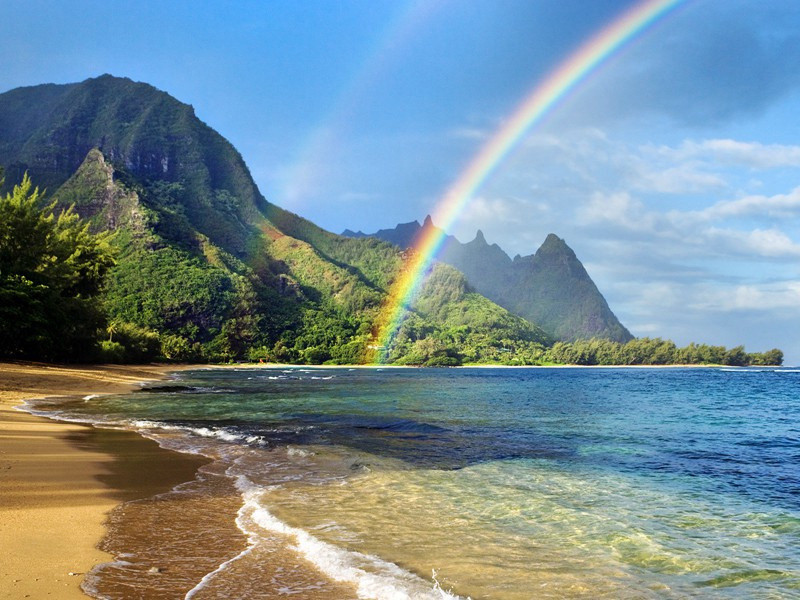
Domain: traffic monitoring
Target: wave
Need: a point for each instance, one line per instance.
(33, 407)
(223, 433)
(373, 577)
(185, 389)
(752, 370)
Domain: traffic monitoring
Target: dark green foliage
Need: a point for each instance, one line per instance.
(654, 351)
(770, 357)
(141, 131)
(51, 272)
(168, 290)
(128, 343)
(374, 262)
(451, 325)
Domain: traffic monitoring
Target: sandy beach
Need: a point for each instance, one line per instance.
(59, 480)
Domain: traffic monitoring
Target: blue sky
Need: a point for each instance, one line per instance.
(673, 171)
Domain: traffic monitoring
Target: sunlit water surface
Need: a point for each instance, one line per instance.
(481, 483)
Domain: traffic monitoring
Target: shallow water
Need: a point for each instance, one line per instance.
(489, 483)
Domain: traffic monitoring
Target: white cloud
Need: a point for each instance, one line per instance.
(469, 133)
(681, 179)
(729, 152)
(777, 206)
(751, 297)
(619, 192)
(618, 208)
(759, 242)
(499, 209)
(683, 241)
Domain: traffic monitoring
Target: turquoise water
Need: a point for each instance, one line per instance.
(500, 483)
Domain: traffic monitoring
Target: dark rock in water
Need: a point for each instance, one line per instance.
(167, 389)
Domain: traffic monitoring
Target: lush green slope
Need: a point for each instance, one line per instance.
(49, 130)
(205, 266)
(467, 327)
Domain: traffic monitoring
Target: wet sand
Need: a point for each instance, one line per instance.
(59, 480)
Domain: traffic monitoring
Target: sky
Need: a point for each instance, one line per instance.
(673, 170)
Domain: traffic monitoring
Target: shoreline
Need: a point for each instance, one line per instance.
(59, 480)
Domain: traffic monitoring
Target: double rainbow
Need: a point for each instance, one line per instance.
(533, 109)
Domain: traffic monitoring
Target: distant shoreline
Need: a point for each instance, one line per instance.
(476, 366)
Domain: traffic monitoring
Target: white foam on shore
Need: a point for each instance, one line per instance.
(373, 577)
(30, 407)
(252, 540)
(221, 434)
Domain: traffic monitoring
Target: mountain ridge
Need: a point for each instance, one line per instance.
(550, 287)
(205, 263)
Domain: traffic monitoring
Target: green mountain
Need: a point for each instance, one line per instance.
(210, 269)
(550, 288)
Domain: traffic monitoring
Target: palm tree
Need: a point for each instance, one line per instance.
(113, 327)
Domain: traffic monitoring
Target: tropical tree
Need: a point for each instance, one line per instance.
(51, 273)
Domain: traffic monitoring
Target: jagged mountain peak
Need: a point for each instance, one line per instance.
(550, 288)
(554, 245)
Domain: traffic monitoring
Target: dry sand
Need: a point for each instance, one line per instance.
(58, 480)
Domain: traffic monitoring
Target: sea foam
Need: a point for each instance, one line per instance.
(373, 577)
(226, 435)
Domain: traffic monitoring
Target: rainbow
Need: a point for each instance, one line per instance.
(544, 97)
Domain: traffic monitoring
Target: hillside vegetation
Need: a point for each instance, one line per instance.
(153, 241)
(204, 268)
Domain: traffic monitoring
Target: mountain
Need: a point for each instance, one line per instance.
(210, 268)
(550, 288)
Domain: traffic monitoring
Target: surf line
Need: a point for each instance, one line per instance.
(540, 101)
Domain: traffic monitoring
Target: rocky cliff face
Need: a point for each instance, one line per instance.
(98, 198)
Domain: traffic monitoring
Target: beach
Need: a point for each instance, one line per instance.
(400, 483)
(58, 481)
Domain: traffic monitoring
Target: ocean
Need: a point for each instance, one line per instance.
(479, 483)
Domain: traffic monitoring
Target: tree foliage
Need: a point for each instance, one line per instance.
(655, 351)
(51, 273)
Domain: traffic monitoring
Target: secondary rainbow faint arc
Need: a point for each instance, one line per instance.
(541, 100)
